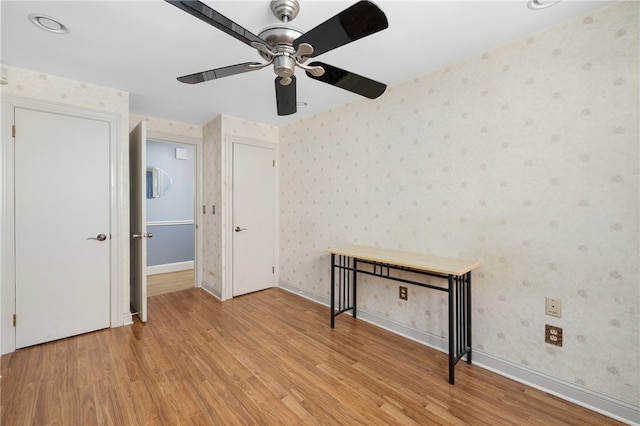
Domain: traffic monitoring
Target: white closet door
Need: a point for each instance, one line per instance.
(62, 226)
(253, 218)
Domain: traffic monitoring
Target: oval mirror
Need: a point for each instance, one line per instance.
(158, 182)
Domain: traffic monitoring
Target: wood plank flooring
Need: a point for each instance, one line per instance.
(171, 281)
(267, 358)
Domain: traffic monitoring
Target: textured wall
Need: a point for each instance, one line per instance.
(212, 253)
(167, 127)
(524, 158)
(179, 201)
(45, 87)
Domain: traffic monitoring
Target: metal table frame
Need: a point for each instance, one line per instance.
(344, 270)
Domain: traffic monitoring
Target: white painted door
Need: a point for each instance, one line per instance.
(62, 232)
(138, 218)
(253, 218)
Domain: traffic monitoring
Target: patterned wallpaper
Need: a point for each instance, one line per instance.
(167, 127)
(212, 250)
(45, 87)
(524, 158)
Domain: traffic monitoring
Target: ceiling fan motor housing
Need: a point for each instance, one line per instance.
(280, 37)
(277, 34)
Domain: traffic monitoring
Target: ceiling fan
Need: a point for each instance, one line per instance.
(286, 47)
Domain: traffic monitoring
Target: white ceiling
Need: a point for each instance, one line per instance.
(142, 46)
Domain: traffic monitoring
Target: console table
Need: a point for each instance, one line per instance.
(348, 261)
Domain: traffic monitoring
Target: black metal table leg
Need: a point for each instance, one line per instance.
(355, 269)
(468, 325)
(333, 290)
(451, 332)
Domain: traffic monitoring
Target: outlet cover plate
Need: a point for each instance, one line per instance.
(553, 335)
(403, 293)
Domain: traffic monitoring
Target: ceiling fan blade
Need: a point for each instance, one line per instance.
(221, 22)
(348, 81)
(286, 96)
(203, 76)
(360, 20)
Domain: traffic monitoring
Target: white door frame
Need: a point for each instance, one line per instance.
(7, 215)
(227, 220)
(197, 144)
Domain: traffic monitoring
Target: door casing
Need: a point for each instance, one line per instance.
(227, 283)
(7, 212)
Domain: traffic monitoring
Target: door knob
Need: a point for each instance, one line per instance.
(238, 229)
(99, 237)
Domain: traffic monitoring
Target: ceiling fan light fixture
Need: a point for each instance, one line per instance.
(48, 23)
(541, 4)
(284, 65)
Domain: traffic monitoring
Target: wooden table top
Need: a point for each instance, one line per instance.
(423, 262)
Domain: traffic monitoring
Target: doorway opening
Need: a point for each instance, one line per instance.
(171, 201)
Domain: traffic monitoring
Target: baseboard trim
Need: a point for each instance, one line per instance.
(211, 290)
(127, 319)
(592, 400)
(170, 267)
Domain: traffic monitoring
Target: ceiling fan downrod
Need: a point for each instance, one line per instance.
(285, 10)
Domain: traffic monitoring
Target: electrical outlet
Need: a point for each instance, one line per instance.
(403, 293)
(553, 335)
(553, 307)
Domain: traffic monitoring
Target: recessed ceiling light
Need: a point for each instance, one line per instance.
(541, 4)
(48, 23)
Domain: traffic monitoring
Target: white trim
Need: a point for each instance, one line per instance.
(119, 242)
(170, 267)
(211, 290)
(170, 222)
(199, 153)
(227, 232)
(590, 399)
(593, 400)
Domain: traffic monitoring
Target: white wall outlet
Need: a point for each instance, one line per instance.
(553, 307)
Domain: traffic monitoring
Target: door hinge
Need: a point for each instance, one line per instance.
(13, 131)
(273, 271)
(274, 163)
(14, 320)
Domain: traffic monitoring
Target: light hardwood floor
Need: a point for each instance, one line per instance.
(171, 281)
(267, 358)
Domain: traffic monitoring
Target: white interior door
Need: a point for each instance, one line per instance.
(253, 218)
(138, 218)
(62, 226)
